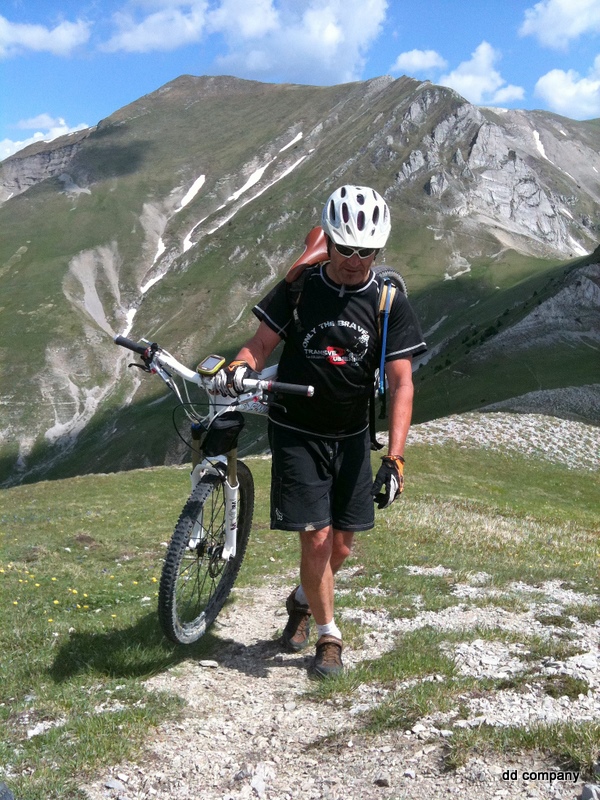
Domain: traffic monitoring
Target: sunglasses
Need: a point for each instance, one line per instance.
(348, 252)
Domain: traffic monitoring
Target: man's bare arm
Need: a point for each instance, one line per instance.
(257, 349)
(400, 383)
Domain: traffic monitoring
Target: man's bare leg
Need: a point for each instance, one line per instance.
(322, 553)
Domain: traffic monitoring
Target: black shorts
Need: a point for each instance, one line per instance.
(318, 482)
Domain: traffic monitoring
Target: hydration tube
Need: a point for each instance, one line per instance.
(386, 315)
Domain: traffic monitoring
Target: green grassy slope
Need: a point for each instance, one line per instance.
(80, 560)
(458, 378)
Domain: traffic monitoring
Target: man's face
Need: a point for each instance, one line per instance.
(351, 270)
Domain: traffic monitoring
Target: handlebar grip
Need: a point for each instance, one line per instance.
(137, 348)
(290, 388)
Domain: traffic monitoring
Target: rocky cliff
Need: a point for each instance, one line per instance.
(491, 170)
(37, 163)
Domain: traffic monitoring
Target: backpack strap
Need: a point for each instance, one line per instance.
(294, 293)
(375, 443)
(315, 251)
(388, 290)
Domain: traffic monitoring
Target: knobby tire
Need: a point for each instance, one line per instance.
(195, 581)
(392, 275)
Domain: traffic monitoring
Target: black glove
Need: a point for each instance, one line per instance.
(390, 478)
(229, 380)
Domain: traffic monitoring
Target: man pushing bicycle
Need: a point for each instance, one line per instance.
(327, 315)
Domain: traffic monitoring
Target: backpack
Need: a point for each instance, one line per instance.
(315, 251)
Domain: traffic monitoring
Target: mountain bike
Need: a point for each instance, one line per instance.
(209, 542)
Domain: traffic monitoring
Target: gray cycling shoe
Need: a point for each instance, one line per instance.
(297, 631)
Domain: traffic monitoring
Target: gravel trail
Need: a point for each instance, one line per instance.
(250, 728)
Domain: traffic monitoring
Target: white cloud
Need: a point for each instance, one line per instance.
(173, 25)
(16, 38)
(44, 121)
(569, 94)
(508, 94)
(555, 23)
(415, 61)
(479, 81)
(45, 127)
(314, 41)
(247, 19)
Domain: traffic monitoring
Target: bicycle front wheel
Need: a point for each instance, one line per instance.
(195, 581)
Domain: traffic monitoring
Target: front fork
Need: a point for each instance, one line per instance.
(217, 466)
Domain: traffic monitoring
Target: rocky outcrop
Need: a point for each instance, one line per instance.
(574, 402)
(38, 162)
(495, 173)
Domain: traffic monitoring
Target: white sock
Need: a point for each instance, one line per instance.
(301, 597)
(330, 629)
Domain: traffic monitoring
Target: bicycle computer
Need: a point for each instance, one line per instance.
(210, 365)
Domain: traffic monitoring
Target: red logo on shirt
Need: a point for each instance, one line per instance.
(336, 356)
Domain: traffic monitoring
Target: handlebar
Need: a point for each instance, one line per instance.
(130, 345)
(155, 359)
(276, 386)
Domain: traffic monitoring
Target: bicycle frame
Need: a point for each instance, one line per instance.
(249, 403)
(160, 362)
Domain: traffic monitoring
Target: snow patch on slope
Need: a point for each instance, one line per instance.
(191, 193)
(255, 178)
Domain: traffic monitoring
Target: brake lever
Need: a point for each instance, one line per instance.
(140, 366)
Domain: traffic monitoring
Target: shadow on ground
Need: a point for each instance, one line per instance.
(135, 652)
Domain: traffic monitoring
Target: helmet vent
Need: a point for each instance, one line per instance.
(375, 215)
(360, 198)
(360, 220)
(332, 211)
(345, 212)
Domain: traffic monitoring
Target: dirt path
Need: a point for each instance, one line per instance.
(249, 730)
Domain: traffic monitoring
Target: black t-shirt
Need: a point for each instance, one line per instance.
(332, 343)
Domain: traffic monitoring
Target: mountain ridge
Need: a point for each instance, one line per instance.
(172, 215)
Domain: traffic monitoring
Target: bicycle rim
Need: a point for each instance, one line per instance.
(195, 581)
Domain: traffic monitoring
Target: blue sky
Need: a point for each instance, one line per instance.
(65, 65)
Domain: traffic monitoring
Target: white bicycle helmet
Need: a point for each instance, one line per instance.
(356, 216)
